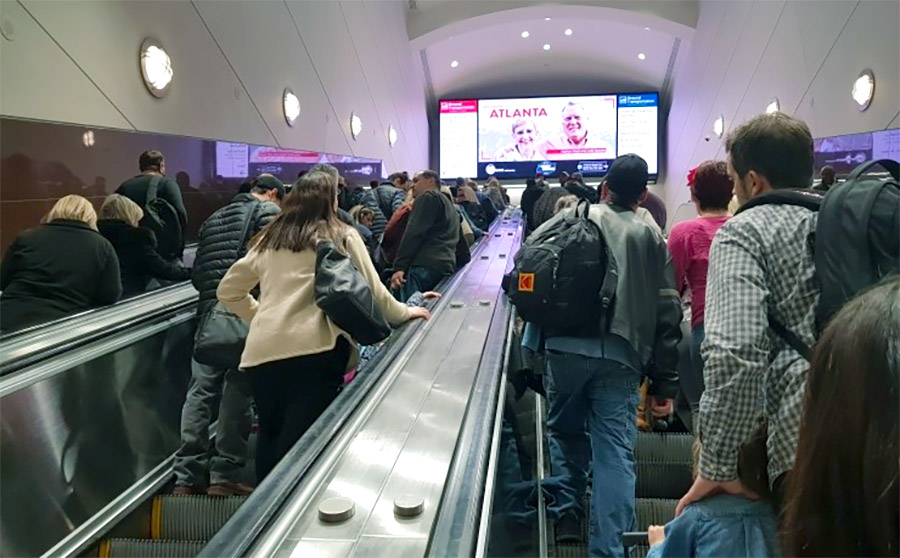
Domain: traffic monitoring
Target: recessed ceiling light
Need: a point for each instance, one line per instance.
(719, 126)
(546, 19)
(156, 67)
(773, 106)
(642, 56)
(525, 34)
(864, 89)
(291, 106)
(392, 136)
(454, 64)
(355, 125)
(646, 29)
(547, 46)
(568, 32)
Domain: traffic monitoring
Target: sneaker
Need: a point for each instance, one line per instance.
(185, 490)
(568, 530)
(222, 489)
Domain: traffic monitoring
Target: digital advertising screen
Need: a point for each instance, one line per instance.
(846, 152)
(515, 138)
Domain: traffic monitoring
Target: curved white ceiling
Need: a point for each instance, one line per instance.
(600, 56)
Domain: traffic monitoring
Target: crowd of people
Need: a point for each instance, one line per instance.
(794, 383)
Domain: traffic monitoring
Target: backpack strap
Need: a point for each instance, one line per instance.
(245, 232)
(803, 197)
(790, 338)
(153, 188)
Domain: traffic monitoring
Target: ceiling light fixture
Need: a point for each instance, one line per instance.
(291, 106)
(864, 89)
(355, 125)
(719, 126)
(156, 67)
(547, 46)
(546, 19)
(525, 34)
(87, 138)
(454, 64)
(773, 106)
(568, 32)
(392, 136)
(646, 29)
(642, 56)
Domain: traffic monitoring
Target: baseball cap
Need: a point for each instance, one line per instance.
(628, 176)
(266, 181)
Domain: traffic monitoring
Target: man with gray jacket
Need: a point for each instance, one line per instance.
(593, 374)
(220, 244)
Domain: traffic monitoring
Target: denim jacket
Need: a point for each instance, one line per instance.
(721, 525)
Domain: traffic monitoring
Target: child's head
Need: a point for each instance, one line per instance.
(365, 216)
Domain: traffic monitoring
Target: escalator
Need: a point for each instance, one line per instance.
(91, 409)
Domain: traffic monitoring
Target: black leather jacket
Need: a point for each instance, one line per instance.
(219, 243)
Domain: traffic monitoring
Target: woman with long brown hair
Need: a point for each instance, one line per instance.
(295, 355)
(843, 493)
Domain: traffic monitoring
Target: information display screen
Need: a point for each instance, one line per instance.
(515, 138)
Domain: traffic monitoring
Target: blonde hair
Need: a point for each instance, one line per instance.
(354, 211)
(119, 208)
(565, 202)
(493, 182)
(72, 208)
(468, 194)
(365, 214)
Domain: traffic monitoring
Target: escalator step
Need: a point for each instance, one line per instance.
(663, 465)
(191, 518)
(653, 511)
(143, 548)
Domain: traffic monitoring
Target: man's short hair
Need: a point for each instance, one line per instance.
(327, 169)
(428, 173)
(627, 178)
(151, 160)
(776, 146)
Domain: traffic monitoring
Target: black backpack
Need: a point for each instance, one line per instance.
(856, 238)
(565, 274)
(161, 218)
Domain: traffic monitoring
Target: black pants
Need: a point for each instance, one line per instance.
(290, 395)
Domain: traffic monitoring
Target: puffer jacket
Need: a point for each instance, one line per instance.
(219, 243)
(368, 199)
(390, 198)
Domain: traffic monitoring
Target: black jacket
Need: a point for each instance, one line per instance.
(431, 235)
(167, 189)
(476, 214)
(138, 260)
(219, 243)
(390, 198)
(529, 197)
(56, 270)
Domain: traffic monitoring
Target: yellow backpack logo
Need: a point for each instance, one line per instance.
(526, 282)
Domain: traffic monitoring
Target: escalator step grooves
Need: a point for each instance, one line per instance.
(663, 465)
(143, 548)
(653, 511)
(194, 518)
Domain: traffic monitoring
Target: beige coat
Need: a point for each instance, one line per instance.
(285, 322)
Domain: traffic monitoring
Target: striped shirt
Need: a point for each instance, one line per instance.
(760, 265)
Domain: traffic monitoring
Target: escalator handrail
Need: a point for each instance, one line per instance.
(37, 344)
(238, 535)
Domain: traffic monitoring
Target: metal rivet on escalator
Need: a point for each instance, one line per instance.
(485, 257)
(497, 235)
(336, 510)
(408, 506)
(456, 305)
(502, 256)
(484, 302)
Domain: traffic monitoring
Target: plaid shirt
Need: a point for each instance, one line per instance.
(760, 264)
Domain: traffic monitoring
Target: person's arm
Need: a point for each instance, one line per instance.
(154, 264)
(664, 376)
(169, 191)
(395, 312)
(680, 537)
(397, 202)
(680, 257)
(110, 288)
(8, 267)
(234, 289)
(427, 210)
(735, 352)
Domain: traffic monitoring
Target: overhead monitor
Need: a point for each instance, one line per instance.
(516, 138)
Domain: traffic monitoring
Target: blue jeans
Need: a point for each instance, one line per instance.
(418, 279)
(692, 384)
(603, 394)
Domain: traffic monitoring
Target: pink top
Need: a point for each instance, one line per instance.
(689, 244)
